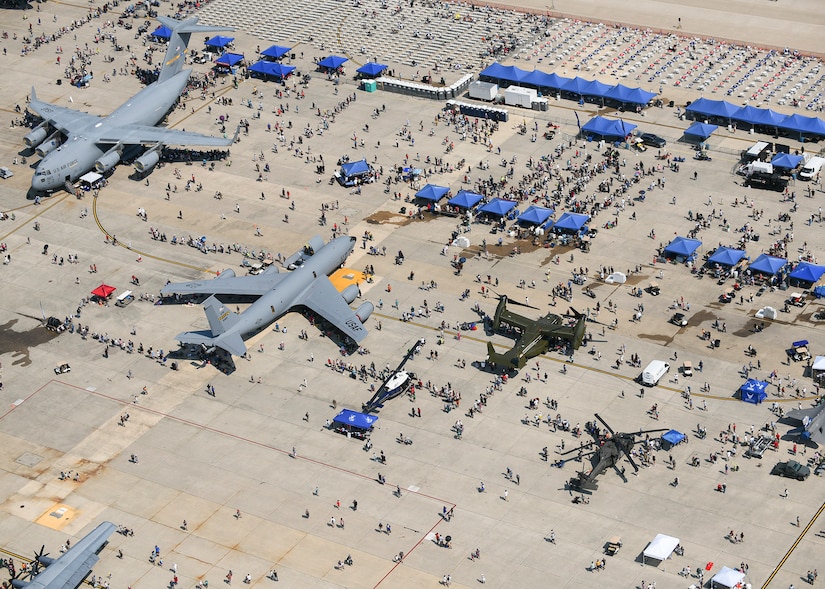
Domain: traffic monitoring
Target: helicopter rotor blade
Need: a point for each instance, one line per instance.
(604, 423)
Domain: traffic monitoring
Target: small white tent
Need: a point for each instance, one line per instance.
(660, 548)
(727, 578)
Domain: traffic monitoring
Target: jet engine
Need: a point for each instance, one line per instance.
(148, 160)
(350, 293)
(364, 311)
(36, 136)
(49, 145)
(108, 160)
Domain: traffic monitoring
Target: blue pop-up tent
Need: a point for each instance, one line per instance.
(498, 207)
(726, 256)
(806, 272)
(162, 33)
(432, 192)
(332, 62)
(355, 419)
(682, 246)
(229, 59)
(571, 222)
(608, 127)
(219, 41)
(786, 161)
(271, 68)
(753, 391)
(768, 264)
(355, 168)
(465, 199)
(627, 95)
(674, 437)
(701, 130)
(371, 69)
(275, 51)
(535, 215)
(713, 108)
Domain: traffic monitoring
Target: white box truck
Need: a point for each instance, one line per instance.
(811, 168)
(654, 372)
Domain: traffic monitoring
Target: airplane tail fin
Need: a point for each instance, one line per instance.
(578, 333)
(179, 40)
(219, 316)
(231, 342)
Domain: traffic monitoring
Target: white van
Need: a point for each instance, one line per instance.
(654, 372)
(811, 168)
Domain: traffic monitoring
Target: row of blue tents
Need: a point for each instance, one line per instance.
(751, 115)
(504, 75)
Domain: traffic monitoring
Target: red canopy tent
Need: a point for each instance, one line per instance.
(103, 291)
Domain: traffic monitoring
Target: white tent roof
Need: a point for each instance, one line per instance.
(661, 547)
(91, 177)
(727, 577)
(819, 363)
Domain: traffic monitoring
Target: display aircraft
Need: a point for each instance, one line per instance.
(535, 335)
(307, 286)
(72, 143)
(812, 421)
(72, 567)
(396, 383)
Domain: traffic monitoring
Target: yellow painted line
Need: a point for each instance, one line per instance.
(43, 210)
(794, 545)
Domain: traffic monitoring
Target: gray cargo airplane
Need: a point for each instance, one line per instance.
(73, 566)
(812, 422)
(307, 285)
(99, 143)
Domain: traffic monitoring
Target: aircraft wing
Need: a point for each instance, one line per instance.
(68, 571)
(228, 284)
(327, 302)
(60, 117)
(801, 414)
(145, 134)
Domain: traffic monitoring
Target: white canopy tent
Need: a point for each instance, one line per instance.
(819, 363)
(90, 177)
(660, 548)
(727, 578)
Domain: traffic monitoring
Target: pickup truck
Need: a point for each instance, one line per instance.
(758, 446)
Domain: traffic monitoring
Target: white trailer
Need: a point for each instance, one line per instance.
(483, 91)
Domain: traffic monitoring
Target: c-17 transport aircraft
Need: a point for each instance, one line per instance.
(73, 566)
(99, 143)
(307, 286)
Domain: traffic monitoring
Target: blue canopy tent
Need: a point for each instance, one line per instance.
(682, 247)
(229, 59)
(371, 69)
(271, 68)
(353, 423)
(804, 125)
(503, 73)
(571, 222)
(432, 192)
(608, 127)
(726, 256)
(786, 161)
(332, 62)
(712, 108)
(542, 80)
(584, 87)
(753, 391)
(768, 264)
(701, 130)
(219, 41)
(806, 273)
(498, 207)
(355, 168)
(465, 199)
(748, 114)
(626, 95)
(673, 437)
(769, 118)
(275, 51)
(162, 33)
(535, 215)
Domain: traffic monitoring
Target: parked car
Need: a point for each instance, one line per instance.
(6, 173)
(652, 140)
(792, 470)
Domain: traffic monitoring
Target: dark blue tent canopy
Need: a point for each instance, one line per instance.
(586, 87)
(539, 79)
(355, 419)
(807, 272)
(608, 127)
(275, 51)
(270, 68)
(355, 168)
(753, 391)
(786, 160)
(682, 246)
(768, 264)
(627, 95)
(229, 59)
(713, 108)
(465, 199)
(726, 256)
(769, 118)
(509, 73)
(162, 33)
(701, 130)
(371, 69)
(535, 215)
(432, 192)
(748, 114)
(571, 222)
(219, 41)
(498, 206)
(802, 124)
(673, 437)
(333, 62)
